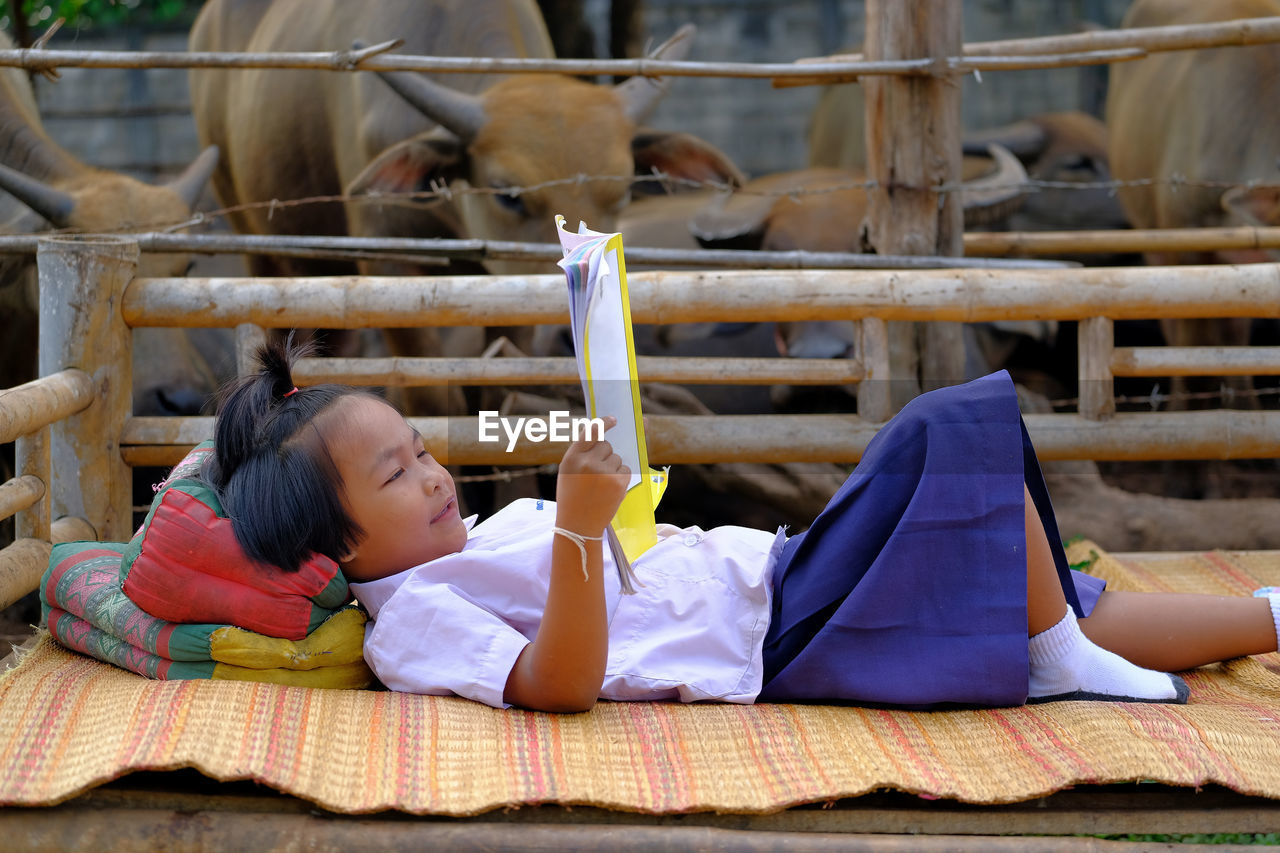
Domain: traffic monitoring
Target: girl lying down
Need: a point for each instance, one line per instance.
(935, 576)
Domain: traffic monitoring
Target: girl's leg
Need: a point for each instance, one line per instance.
(1065, 663)
(1175, 631)
(1167, 631)
(1046, 604)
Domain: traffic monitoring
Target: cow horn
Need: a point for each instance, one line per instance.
(1026, 139)
(54, 205)
(641, 95)
(455, 111)
(997, 194)
(190, 184)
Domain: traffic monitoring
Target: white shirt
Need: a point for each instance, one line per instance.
(693, 632)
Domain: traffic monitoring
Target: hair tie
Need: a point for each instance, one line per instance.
(288, 394)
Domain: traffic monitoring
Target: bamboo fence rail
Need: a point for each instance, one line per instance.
(1097, 48)
(342, 60)
(1095, 296)
(1195, 361)
(700, 439)
(1244, 31)
(407, 372)
(26, 413)
(1237, 33)
(961, 295)
(19, 493)
(425, 250)
(983, 249)
(21, 564)
(23, 561)
(1058, 243)
(38, 403)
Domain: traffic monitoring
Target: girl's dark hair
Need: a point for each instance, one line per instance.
(271, 464)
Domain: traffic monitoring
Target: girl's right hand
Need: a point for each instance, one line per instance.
(590, 486)
(562, 668)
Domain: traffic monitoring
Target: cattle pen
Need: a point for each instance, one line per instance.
(77, 441)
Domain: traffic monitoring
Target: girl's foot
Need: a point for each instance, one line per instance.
(1067, 665)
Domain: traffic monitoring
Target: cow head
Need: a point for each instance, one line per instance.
(1256, 207)
(1059, 148)
(822, 210)
(170, 375)
(532, 146)
(100, 201)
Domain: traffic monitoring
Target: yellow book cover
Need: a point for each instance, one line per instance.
(600, 320)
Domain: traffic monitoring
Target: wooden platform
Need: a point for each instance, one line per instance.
(639, 777)
(185, 810)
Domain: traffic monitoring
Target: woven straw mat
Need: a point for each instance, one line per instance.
(68, 723)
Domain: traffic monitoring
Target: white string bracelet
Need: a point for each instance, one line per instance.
(581, 541)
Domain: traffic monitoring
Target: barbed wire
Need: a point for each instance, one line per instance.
(1225, 394)
(440, 192)
(506, 475)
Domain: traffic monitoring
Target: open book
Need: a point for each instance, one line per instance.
(600, 319)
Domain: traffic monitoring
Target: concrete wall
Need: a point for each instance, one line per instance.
(102, 115)
(764, 128)
(134, 120)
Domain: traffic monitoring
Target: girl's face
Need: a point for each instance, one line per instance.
(403, 499)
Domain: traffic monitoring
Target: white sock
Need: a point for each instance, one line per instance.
(1067, 664)
(1272, 595)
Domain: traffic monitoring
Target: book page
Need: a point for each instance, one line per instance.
(611, 389)
(600, 317)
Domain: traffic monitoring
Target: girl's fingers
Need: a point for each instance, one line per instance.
(609, 422)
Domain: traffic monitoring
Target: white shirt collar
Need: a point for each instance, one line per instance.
(373, 594)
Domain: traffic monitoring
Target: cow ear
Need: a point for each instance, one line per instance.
(1253, 205)
(683, 156)
(414, 165)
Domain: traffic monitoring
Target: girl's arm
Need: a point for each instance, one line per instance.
(563, 668)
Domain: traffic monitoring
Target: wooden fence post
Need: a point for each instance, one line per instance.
(874, 399)
(32, 457)
(249, 339)
(1096, 336)
(913, 143)
(82, 282)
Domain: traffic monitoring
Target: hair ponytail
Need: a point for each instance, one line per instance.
(271, 464)
(245, 403)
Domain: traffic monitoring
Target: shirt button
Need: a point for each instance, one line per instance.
(692, 539)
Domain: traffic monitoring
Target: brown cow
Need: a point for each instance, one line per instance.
(821, 210)
(48, 185)
(812, 210)
(297, 134)
(1062, 147)
(1202, 115)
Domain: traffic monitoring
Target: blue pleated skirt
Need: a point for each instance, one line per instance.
(910, 588)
